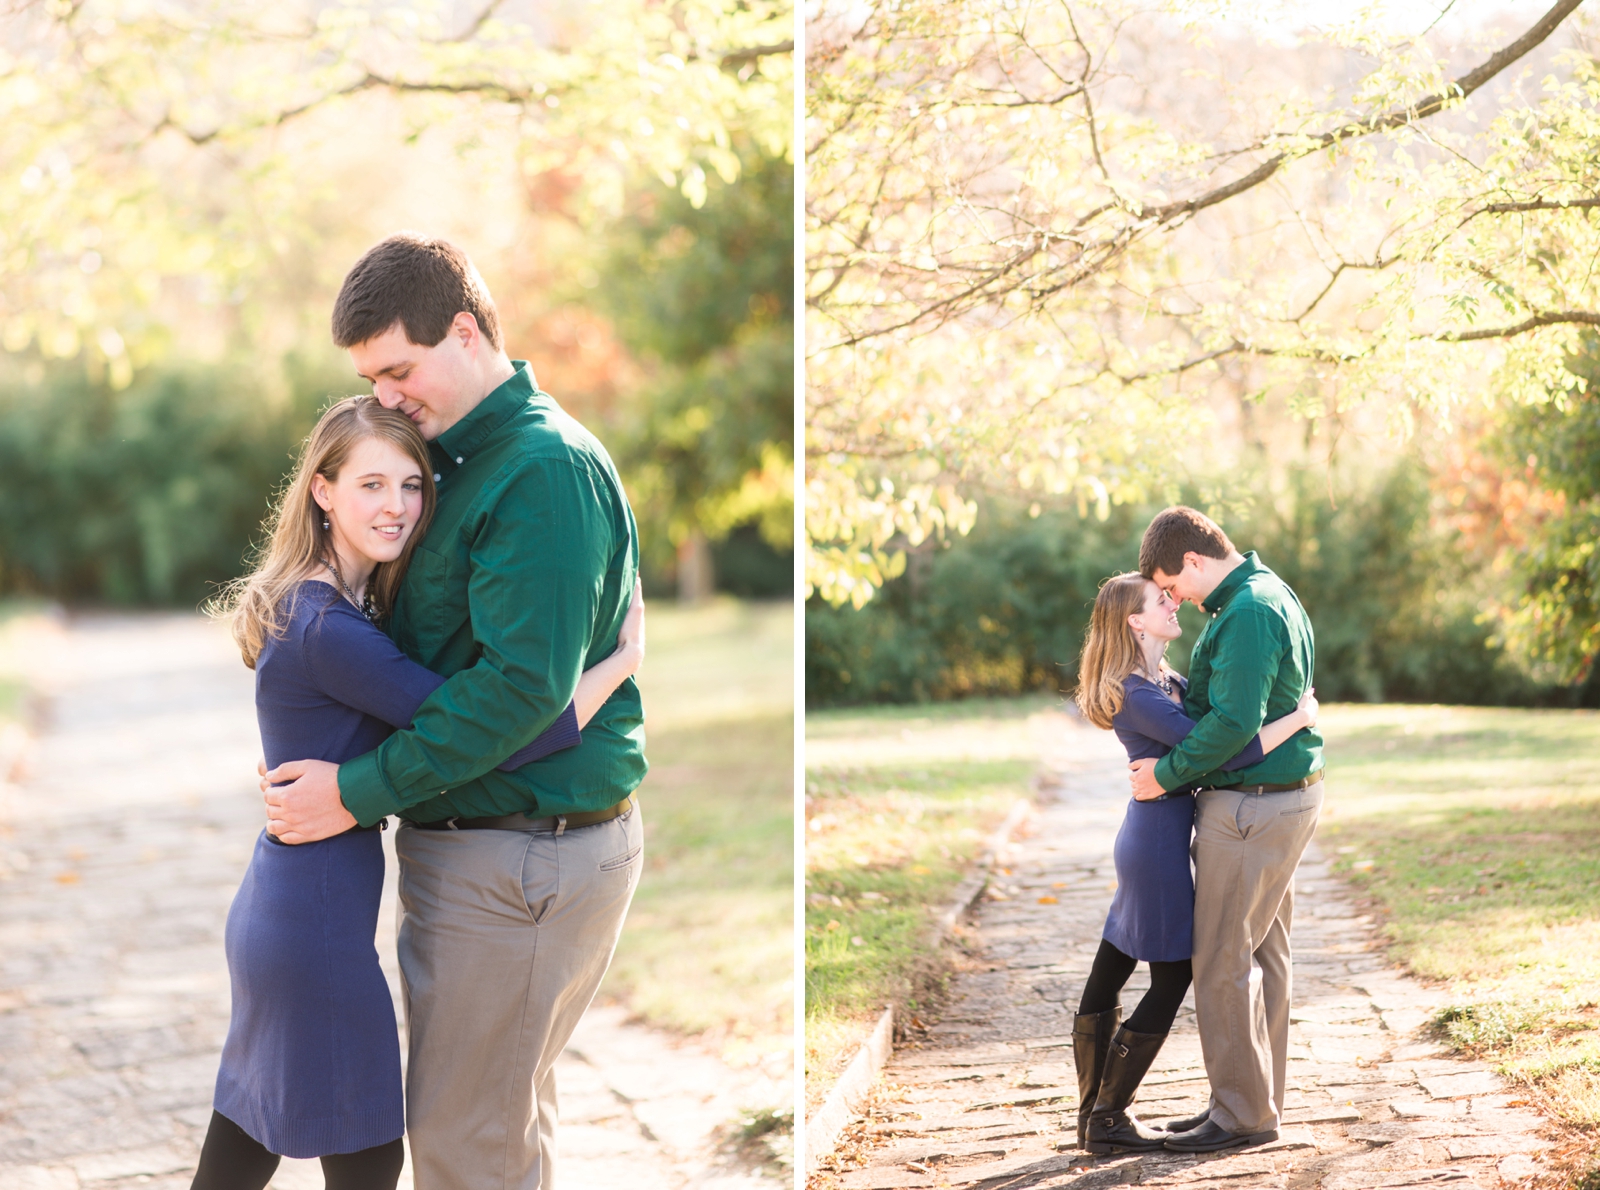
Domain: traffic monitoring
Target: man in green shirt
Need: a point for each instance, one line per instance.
(513, 885)
(1251, 663)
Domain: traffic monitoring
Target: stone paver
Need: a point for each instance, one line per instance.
(991, 1098)
(124, 830)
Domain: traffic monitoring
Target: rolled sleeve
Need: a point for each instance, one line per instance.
(1246, 648)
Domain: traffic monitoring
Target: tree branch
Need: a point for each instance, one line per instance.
(478, 21)
(752, 52)
(1531, 323)
(1421, 110)
(1540, 204)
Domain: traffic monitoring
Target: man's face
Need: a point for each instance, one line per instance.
(1188, 585)
(434, 386)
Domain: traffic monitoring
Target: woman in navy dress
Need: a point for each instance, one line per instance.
(311, 1064)
(1125, 684)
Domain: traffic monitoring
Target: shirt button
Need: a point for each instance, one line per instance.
(437, 477)
(459, 460)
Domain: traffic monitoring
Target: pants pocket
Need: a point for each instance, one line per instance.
(541, 876)
(621, 861)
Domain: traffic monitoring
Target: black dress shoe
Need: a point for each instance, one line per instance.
(1188, 1123)
(1211, 1136)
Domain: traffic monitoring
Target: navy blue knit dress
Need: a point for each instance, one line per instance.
(311, 1065)
(1152, 913)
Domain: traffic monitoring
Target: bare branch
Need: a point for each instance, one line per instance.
(1088, 103)
(751, 53)
(478, 21)
(1428, 106)
(1533, 322)
(1540, 204)
(367, 82)
(1375, 266)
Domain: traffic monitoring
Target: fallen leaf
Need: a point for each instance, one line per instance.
(1048, 901)
(67, 878)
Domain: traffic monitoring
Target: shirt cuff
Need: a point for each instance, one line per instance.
(1165, 777)
(364, 791)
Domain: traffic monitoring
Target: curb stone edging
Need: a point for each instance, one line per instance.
(823, 1129)
(838, 1108)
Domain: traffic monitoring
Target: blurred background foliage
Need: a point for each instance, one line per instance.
(1418, 569)
(706, 296)
(191, 185)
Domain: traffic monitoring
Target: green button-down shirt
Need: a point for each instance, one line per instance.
(1252, 662)
(521, 583)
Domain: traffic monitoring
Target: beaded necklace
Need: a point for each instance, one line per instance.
(364, 604)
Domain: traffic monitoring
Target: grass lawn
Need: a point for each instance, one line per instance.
(16, 617)
(898, 801)
(709, 943)
(1476, 832)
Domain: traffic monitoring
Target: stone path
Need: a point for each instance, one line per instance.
(990, 1097)
(124, 831)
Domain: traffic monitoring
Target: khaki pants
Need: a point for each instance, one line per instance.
(1246, 849)
(504, 936)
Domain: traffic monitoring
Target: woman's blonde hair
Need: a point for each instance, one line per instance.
(1111, 650)
(258, 606)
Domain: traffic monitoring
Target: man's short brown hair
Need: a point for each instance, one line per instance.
(1175, 532)
(420, 283)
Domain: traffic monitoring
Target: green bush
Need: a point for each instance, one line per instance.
(154, 495)
(151, 495)
(1003, 610)
(998, 612)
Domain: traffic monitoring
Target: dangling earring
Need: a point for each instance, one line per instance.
(325, 525)
(1141, 635)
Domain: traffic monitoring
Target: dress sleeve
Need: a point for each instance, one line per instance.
(1151, 713)
(353, 662)
(1252, 754)
(563, 733)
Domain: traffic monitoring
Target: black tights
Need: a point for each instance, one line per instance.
(232, 1159)
(1159, 1007)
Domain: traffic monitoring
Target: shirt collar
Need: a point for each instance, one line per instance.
(1229, 586)
(456, 445)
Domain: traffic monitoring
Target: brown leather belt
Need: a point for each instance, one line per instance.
(553, 824)
(1303, 783)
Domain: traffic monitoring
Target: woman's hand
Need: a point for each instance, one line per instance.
(1307, 706)
(630, 640)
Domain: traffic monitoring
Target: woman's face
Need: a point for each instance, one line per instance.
(1159, 617)
(374, 504)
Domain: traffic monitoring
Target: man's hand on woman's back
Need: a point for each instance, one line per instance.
(1142, 776)
(307, 808)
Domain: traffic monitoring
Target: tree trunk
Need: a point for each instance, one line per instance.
(696, 577)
